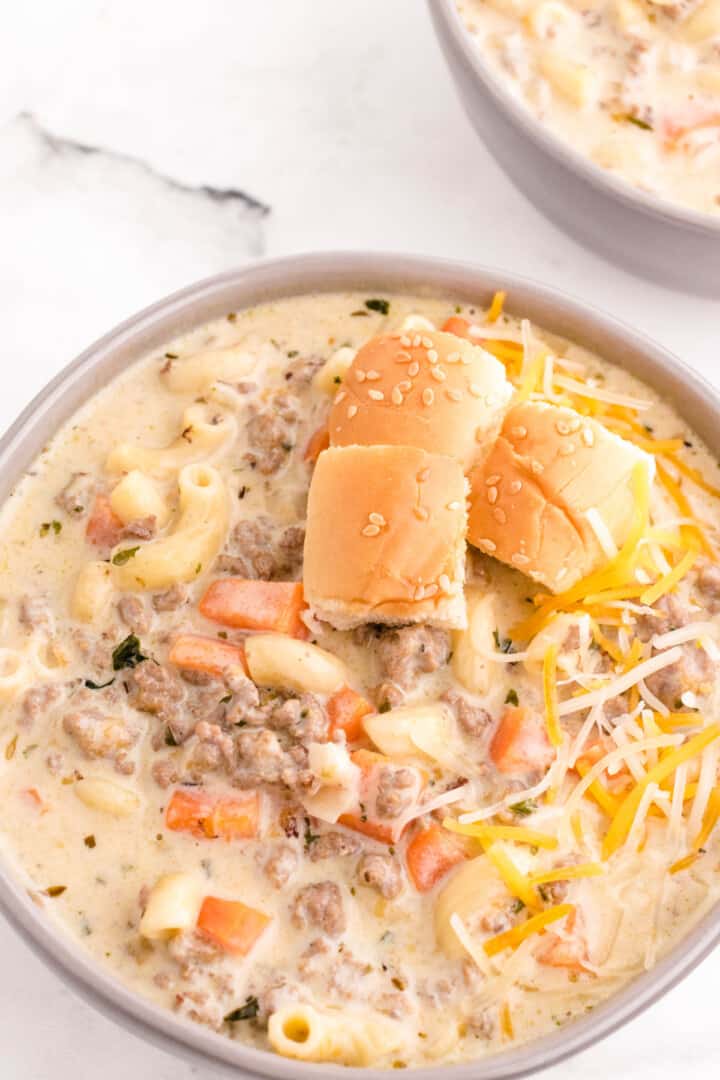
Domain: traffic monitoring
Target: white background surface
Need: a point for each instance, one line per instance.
(338, 121)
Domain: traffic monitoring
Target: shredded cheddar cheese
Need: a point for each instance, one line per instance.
(567, 873)
(577, 828)
(669, 581)
(550, 695)
(496, 307)
(682, 864)
(531, 376)
(516, 882)
(599, 792)
(508, 352)
(518, 834)
(623, 819)
(679, 498)
(506, 1021)
(693, 474)
(510, 939)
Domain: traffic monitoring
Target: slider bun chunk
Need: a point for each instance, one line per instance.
(385, 538)
(530, 498)
(430, 390)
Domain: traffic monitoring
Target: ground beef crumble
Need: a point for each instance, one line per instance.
(319, 906)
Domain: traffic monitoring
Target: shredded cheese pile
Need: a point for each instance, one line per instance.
(652, 769)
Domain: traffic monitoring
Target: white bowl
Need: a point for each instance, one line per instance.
(662, 240)
(696, 401)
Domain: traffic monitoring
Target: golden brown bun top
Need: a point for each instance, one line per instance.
(530, 497)
(385, 536)
(430, 390)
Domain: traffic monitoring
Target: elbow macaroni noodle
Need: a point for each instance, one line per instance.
(205, 433)
(172, 906)
(195, 374)
(303, 1032)
(196, 539)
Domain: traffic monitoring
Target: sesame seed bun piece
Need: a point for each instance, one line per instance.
(430, 390)
(530, 498)
(385, 539)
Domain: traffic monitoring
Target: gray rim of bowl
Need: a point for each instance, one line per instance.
(553, 144)
(276, 279)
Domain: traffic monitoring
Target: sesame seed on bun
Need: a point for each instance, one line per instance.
(428, 389)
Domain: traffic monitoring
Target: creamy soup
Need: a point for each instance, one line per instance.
(633, 84)
(541, 822)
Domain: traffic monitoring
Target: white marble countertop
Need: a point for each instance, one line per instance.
(145, 145)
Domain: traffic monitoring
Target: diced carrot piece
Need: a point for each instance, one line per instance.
(345, 711)
(457, 326)
(570, 953)
(364, 820)
(33, 797)
(231, 924)
(104, 526)
(228, 817)
(197, 653)
(377, 830)
(318, 441)
(256, 605)
(432, 853)
(520, 742)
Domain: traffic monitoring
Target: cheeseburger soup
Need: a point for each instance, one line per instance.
(359, 679)
(633, 84)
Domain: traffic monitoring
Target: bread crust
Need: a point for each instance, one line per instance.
(430, 390)
(530, 498)
(385, 538)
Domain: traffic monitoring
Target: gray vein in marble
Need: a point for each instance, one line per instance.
(61, 144)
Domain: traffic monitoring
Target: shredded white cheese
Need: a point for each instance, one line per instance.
(675, 824)
(588, 391)
(461, 933)
(653, 701)
(621, 738)
(654, 743)
(602, 533)
(621, 684)
(706, 782)
(514, 797)
(692, 632)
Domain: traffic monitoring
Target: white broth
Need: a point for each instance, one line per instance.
(160, 806)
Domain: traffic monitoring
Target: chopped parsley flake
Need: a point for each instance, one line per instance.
(511, 698)
(98, 685)
(382, 306)
(248, 1011)
(505, 645)
(121, 557)
(127, 654)
(47, 526)
(310, 836)
(525, 808)
(637, 122)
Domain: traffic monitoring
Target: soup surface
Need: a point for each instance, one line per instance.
(633, 84)
(195, 829)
